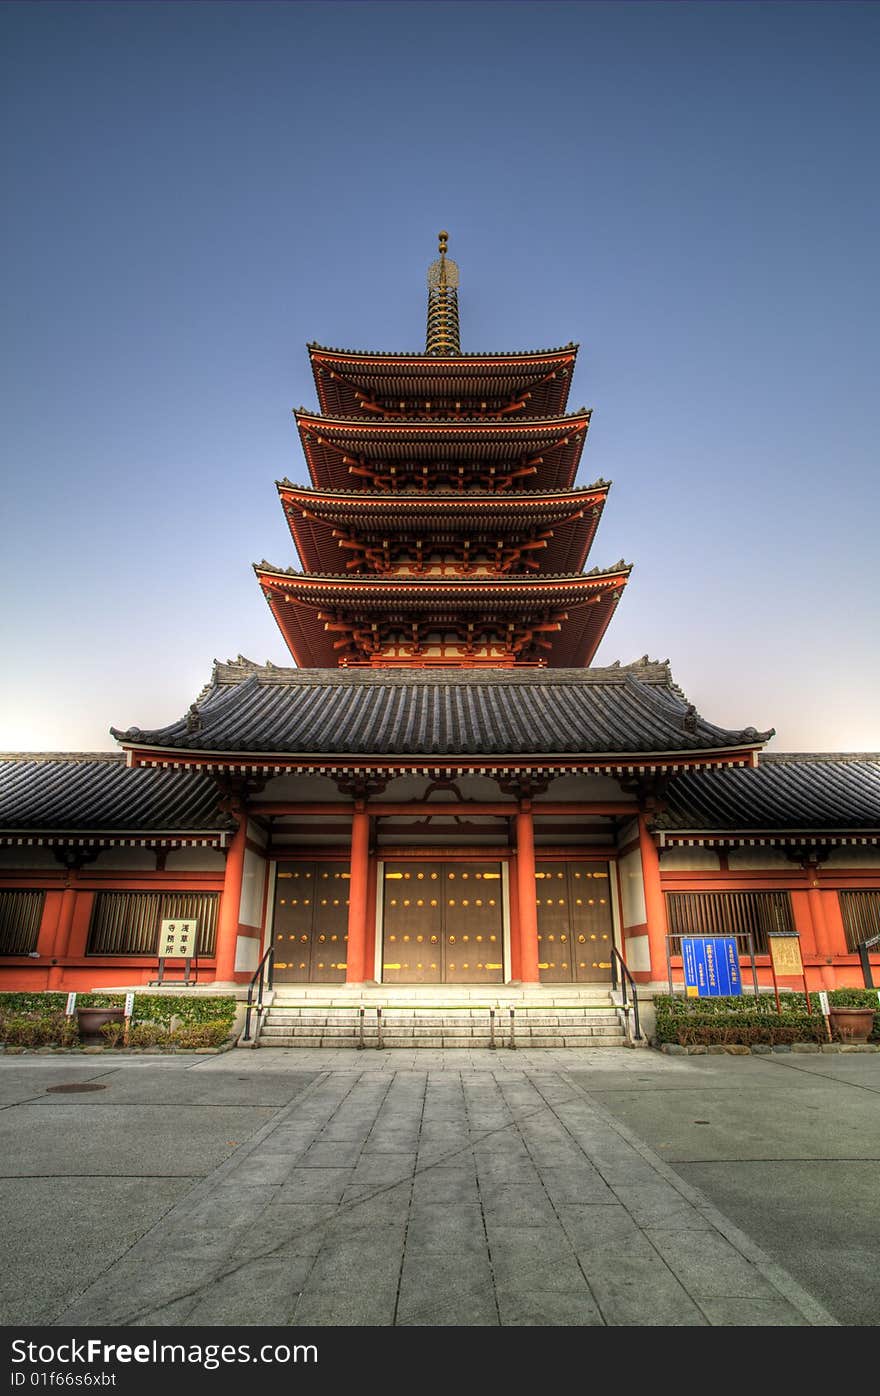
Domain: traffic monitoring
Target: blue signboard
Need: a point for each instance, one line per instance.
(711, 966)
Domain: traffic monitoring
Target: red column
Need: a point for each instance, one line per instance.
(528, 913)
(655, 904)
(358, 888)
(820, 926)
(61, 942)
(230, 903)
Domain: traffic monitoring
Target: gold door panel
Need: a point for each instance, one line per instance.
(311, 923)
(442, 923)
(575, 933)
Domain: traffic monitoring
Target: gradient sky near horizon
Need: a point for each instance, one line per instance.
(194, 191)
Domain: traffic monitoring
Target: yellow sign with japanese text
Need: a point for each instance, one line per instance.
(785, 952)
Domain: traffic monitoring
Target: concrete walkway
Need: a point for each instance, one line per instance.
(465, 1188)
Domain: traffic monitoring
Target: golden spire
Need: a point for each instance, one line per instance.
(443, 333)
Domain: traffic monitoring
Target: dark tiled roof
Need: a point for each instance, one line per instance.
(799, 791)
(96, 791)
(451, 712)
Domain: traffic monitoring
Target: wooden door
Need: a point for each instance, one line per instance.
(575, 929)
(442, 923)
(311, 923)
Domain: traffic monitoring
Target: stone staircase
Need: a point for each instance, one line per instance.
(585, 1017)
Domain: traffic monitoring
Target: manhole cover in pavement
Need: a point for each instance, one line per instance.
(72, 1087)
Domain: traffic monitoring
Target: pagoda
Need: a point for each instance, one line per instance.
(442, 526)
(442, 789)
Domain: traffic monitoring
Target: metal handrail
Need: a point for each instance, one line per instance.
(258, 977)
(625, 975)
(862, 951)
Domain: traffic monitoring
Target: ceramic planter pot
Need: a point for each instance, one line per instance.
(851, 1024)
(91, 1020)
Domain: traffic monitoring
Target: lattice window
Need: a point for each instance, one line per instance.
(127, 923)
(861, 916)
(20, 916)
(727, 914)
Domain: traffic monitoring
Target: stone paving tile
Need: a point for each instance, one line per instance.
(315, 1184)
(383, 1168)
(336, 1154)
(445, 1227)
(638, 1289)
(709, 1266)
(523, 1204)
(597, 1225)
(577, 1184)
(371, 1307)
(529, 1242)
(659, 1204)
(295, 1228)
(449, 1185)
(517, 1269)
(344, 1261)
(752, 1313)
(256, 1293)
(547, 1309)
(439, 1288)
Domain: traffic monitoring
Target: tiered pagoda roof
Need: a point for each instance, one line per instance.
(442, 526)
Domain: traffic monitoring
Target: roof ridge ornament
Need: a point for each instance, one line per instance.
(444, 336)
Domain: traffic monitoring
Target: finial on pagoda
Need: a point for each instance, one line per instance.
(443, 332)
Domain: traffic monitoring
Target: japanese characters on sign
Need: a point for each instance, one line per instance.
(785, 953)
(178, 939)
(711, 966)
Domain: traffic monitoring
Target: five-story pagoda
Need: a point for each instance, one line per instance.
(442, 526)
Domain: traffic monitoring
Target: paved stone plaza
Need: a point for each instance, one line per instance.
(571, 1187)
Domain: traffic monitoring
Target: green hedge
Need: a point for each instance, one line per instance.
(38, 1019)
(736, 1020)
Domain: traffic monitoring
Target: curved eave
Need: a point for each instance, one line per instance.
(269, 762)
(358, 429)
(573, 516)
(332, 446)
(756, 837)
(143, 838)
(544, 376)
(584, 608)
(354, 357)
(445, 591)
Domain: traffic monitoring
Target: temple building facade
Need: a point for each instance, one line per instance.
(441, 789)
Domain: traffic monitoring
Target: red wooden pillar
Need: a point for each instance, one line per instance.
(358, 888)
(655, 903)
(230, 903)
(528, 912)
(820, 926)
(61, 941)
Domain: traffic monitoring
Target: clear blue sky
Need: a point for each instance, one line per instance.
(194, 191)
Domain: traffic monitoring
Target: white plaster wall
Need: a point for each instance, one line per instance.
(638, 954)
(632, 890)
(247, 953)
(136, 859)
(853, 857)
(582, 788)
(755, 859)
(301, 788)
(257, 834)
(195, 860)
(628, 833)
(252, 886)
(689, 860)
